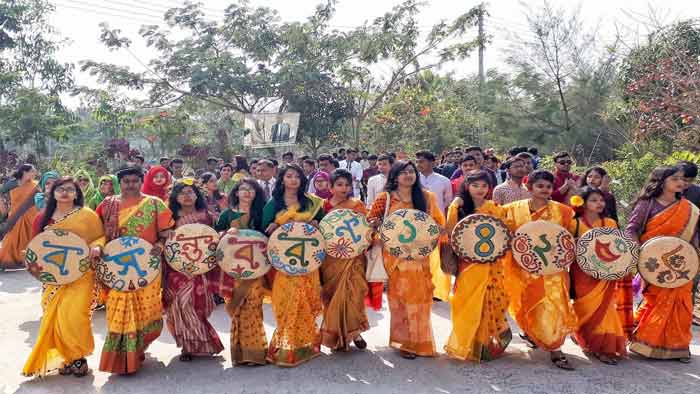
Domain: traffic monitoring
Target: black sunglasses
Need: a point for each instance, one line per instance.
(564, 162)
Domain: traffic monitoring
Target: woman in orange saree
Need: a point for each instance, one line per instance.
(665, 316)
(480, 331)
(540, 304)
(344, 285)
(17, 229)
(135, 318)
(410, 291)
(599, 329)
(296, 300)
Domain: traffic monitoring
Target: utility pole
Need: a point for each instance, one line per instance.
(482, 47)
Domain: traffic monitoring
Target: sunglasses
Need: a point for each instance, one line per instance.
(565, 162)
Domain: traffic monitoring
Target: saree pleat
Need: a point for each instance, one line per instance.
(343, 294)
(539, 304)
(65, 334)
(665, 315)
(410, 291)
(480, 330)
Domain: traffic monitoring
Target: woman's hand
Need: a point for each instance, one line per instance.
(232, 231)
(271, 228)
(95, 253)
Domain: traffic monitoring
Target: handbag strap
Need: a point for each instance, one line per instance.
(386, 205)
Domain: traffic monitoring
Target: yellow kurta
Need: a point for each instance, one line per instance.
(65, 334)
(480, 331)
(540, 304)
(411, 287)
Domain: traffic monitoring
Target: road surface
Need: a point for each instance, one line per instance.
(378, 369)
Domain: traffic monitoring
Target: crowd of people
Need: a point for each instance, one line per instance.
(149, 201)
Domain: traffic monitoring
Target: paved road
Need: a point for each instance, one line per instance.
(376, 370)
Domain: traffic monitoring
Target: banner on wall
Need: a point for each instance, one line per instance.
(271, 129)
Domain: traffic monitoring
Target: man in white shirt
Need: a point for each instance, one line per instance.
(355, 169)
(266, 170)
(433, 181)
(375, 184)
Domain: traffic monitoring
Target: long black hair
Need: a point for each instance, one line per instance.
(205, 179)
(468, 207)
(51, 200)
(200, 204)
(585, 193)
(278, 193)
(256, 208)
(19, 173)
(654, 186)
(392, 184)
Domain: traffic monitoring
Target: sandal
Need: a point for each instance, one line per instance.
(360, 343)
(80, 368)
(407, 355)
(684, 360)
(528, 341)
(561, 362)
(66, 370)
(184, 357)
(605, 359)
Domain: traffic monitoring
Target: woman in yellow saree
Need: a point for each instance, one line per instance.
(665, 316)
(410, 291)
(600, 329)
(296, 300)
(344, 283)
(244, 298)
(480, 331)
(134, 319)
(17, 229)
(540, 304)
(65, 335)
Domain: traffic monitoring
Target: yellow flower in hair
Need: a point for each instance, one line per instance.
(576, 201)
(187, 181)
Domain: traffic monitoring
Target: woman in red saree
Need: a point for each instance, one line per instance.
(599, 329)
(411, 287)
(188, 300)
(665, 316)
(344, 285)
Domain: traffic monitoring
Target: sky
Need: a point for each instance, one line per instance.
(78, 21)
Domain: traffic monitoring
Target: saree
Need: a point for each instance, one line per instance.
(189, 301)
(134, 319)
(65, 334)
(244, 304)
(480, 331)
(22, 212)
(410, 292)
(296, 300)
(665, 315)
(539, 304)
(600, 330)
(343, 292)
